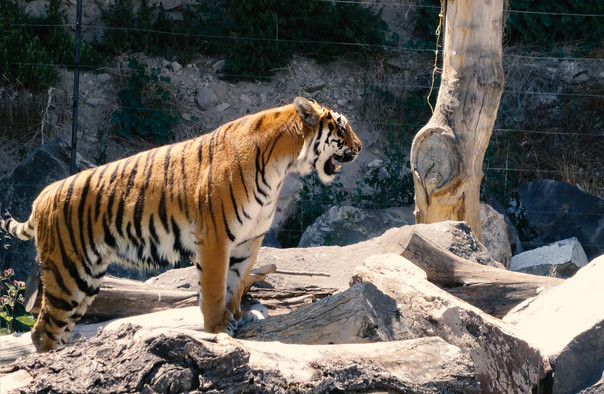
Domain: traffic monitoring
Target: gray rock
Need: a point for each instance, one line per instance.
(513, 236)
(169, 5)
(103, 78)
(495, 234)
(562, 259)
(457, 238)
(222, 107)
(558, 210)
(345, 225)
(566, 323)
(47, 164)
(175, 67)
(245, 98)
(504, 362)
(218, 66)
(204, 98)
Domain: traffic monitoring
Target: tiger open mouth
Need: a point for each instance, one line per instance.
(331, 167)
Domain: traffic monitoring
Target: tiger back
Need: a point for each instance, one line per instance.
(210, 199)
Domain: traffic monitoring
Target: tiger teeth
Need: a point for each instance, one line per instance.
(338, 167)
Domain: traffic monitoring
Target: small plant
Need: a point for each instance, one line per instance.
(12, 305)
(145, 107)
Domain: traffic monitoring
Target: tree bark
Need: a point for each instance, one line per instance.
(447, 153)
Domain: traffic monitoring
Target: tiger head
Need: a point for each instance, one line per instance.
(328, 141)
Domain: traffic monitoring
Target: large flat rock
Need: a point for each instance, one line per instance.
(504, 362)
(567, 323)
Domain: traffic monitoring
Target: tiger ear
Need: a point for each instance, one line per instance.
(307, 111)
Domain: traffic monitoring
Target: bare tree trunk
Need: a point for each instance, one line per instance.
(447, 153)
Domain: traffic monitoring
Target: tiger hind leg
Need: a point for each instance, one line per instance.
(62, 307)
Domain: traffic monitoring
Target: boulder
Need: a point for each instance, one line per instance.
(567, 322)
(561, 259)
(558, 210)
(345, 225)
(18, 190)
(504, 363)
(457, 238)
(513, 236)
(495, 234)
(204, 98)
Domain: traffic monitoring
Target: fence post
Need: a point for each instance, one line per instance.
(76, 87)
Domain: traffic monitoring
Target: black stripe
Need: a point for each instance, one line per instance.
(109, 238)
(258, 199)
(133, 239)
(260, 170)
(60, 303)
(119, 217)
(67, 201)
(235, 204)
(226, 226)
(163, 214)
(259, 123)
(211, 158)
(131, 177)
(139, 206)
(58, 277)
(178, 246)
(270, 153)
(183, 174)
(50, 335)
(152, 230)
(75, 316)
(238, 160)
(97, 202)
(250, 239)
(57, 322)
(83, 196)
(318, 140)
(137, 216)
(238, 273)
(73, 272)
(237, 260)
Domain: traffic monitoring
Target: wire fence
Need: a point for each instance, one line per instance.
(418, 88)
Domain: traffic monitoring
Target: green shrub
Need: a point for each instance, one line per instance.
(30, 47)
(554, 31)
(145, 107)
(254, 36)
(269, 32)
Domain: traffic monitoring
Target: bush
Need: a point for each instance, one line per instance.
(30, 47)
(254, 36)
(145, 107)
(269, 32)
(553, 31)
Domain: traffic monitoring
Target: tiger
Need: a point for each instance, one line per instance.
(211, 199)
